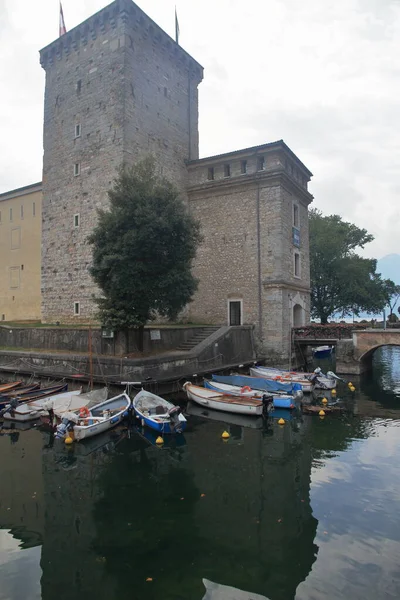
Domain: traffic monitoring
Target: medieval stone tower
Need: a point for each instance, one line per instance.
(117, 88)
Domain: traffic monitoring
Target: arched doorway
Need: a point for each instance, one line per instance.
(298, 315)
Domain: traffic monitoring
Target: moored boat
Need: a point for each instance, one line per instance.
(279, 401)
(87, 422)
(5, 387)
(35, 394)
(283, 376)
(19, 391)
(256, 383)
(30, 411)
(218, 401)
(157, 413)
(323, 351)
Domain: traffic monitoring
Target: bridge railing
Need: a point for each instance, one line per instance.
(331, 331)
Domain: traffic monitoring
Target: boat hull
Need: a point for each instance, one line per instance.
(221, 402)
(159, 424)
(275, 375)
(82, 432)
(278, 401)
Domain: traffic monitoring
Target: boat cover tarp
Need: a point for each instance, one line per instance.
(256, 383)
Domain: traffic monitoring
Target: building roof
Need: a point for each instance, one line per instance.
(22, 191)
(278, 145)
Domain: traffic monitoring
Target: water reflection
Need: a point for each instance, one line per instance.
(305, 510)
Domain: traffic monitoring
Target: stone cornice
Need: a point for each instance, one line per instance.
(284, 283)
(120, 12)
(260, 179)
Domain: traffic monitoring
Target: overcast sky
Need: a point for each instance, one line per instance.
(324, 75)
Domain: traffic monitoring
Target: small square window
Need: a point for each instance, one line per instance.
(260, 163)
(227, 170)
(243, 167)
(79, 85)
(77, 309)
(22, 211)
(77, 220)
(297, 264)
(34, 209)
(165, 92)
(78, 130)
(77, 169)
(211, 173)
(295, 215)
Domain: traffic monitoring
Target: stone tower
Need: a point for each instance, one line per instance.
(117, 88)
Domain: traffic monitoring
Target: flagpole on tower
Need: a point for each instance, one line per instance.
(176, 27)
(61, 27)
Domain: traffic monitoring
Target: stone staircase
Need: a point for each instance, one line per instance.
(201, 334)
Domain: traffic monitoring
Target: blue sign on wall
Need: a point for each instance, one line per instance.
(296, 237)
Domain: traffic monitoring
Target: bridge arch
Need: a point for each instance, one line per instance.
(366, 358)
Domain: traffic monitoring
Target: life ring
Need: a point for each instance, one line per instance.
(84, 412)
(245, 389)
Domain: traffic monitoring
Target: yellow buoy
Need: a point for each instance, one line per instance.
(281, 421)
(333, 392)
(159, 440)
(225, 435)
(321, 413)
(350, 384)
(68, 440)
(324, 401)
(352, 389)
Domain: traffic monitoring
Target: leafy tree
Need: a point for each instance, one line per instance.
(392, 294)
(341, 280)
(143, 248)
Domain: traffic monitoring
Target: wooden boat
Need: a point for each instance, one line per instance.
(36, 394)
(282, 376)
(89, 422)
(268, 386)
(323, 351)
(5, 387)
(30, 411)
(157, 413)
(279, 401)
(218, 401)
(20, 391)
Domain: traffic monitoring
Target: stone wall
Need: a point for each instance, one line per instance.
(77, 340)
(247, 253)
(117, 88)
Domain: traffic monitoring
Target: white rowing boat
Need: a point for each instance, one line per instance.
(218, 401)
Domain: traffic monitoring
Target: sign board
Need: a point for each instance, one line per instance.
(296, 237)
(155, 334)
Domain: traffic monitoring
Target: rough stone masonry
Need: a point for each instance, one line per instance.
(118, 88)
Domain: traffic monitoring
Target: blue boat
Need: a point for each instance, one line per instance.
(158, 414)
(323, 351)
(284, 401)
(257, 383)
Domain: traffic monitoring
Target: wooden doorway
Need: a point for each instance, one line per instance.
(235, 312)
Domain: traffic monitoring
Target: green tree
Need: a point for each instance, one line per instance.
(341, 280)
(143, 249)
(392, 294)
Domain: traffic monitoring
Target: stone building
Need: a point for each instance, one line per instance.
(119, 88)
(20, 239)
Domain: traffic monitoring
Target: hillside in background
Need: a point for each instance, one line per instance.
(389, 267)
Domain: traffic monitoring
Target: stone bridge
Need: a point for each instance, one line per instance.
(355, 355)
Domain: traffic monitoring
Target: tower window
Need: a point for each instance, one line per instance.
(260, 163)
(296, 264)
(243, 166)
(79, 85)
(227, 170)
(165, 92)
(211, 173)
(77, 220)
(77, 309)
(11, 216)
(77, 169)
(34, 209)
(78, 130)
(295, 215)
(22, 211)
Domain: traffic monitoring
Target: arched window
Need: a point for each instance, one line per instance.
(298, 315)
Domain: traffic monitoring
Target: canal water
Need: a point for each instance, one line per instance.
(308, 510)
